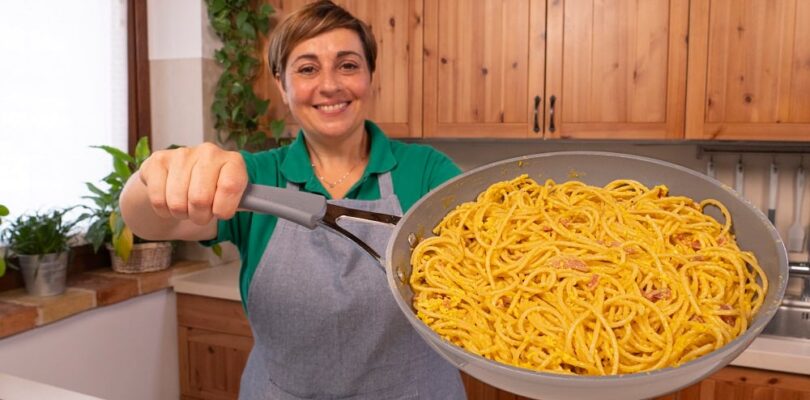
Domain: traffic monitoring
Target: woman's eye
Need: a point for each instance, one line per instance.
(306, 70)
(349, 66)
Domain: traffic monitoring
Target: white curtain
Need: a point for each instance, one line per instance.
(63, 88)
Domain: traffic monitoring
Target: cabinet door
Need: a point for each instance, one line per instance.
(396, 104)
(746, 383)
(616, 69)
(214, 341)
(215, 362)
(749, 70)
(483, 68)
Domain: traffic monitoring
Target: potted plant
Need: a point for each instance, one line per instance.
(129, 253)
(40, 244)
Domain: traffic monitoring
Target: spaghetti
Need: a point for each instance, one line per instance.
(577, 279)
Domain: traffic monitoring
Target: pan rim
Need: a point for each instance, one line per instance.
(760, 320)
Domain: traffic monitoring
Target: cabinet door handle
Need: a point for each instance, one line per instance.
(536, 114)
(551, 101)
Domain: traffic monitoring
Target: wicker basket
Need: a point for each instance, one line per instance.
(145, 257)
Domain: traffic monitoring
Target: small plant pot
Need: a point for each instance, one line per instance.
(145, 257)
(44, 274)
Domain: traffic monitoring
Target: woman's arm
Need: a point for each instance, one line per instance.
(181, 193)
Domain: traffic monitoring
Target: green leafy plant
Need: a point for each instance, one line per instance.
(237, 109)
(40, 233)
(3, 213)
(106, 224)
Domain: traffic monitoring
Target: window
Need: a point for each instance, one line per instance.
(63, 88)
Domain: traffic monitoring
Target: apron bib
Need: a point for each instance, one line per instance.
(325, 322)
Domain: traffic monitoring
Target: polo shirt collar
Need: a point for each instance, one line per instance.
(297, 166)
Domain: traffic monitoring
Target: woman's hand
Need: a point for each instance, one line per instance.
(180, 193)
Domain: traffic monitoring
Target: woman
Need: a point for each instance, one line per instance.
(324, 322)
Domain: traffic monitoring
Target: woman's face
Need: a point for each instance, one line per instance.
(326, 84)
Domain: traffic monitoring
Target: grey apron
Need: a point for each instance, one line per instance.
(326, 325)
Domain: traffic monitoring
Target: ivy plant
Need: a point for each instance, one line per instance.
(237, 109)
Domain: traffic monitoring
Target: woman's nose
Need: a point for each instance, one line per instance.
(330, 82)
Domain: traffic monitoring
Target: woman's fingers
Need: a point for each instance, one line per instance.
(196, 184)
(230, 186)
(153, 176)
(178, 180)
(205, 173)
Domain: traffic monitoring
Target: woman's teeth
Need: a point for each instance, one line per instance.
(333, 107)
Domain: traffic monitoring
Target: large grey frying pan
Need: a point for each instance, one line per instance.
(752, 229)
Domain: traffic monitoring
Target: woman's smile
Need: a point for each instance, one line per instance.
(332, 108)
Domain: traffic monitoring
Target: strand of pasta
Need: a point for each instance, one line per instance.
(577, 279)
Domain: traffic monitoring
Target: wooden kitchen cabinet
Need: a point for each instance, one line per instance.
(484, 63)
(746, 383)
(616, 69)
(749, 70)
(730, 383)
(582, 69)
(396, 104)
(214, 340)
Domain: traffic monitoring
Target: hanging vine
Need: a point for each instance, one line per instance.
(237, 109)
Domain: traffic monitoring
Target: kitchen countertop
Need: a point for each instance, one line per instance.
(15, 388)
(765, 352)
(221, 282)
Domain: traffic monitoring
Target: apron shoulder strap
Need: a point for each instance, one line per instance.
(386, 185)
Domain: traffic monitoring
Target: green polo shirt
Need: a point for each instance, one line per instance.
(415, 170)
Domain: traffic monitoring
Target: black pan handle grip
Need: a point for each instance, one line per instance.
(536, 114)
(551, 101)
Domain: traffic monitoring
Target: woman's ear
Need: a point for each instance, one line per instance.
(281, 88)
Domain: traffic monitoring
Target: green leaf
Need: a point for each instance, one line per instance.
(240, 141)
(265, 10)
(235, 112)
(277, 127)
(261, 106)
(263, 25)
(116, 153)
(3, 263)
(141, 150)
(123, 244)
(121, 168)
(217, 249)
(97, 233)
(215, 6)
(241, 18)
(221, 25)
(93, 188)
(236, 88)
(247, 30)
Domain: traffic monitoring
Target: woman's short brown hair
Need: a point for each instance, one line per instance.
(312, 20)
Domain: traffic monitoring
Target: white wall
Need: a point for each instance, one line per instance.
(126, 351)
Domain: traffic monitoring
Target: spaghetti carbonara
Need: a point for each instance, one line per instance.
(577, 279)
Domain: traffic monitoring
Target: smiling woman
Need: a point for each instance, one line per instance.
(306, 292)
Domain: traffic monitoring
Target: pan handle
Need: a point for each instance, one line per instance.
(303, 208)
(311, 210)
